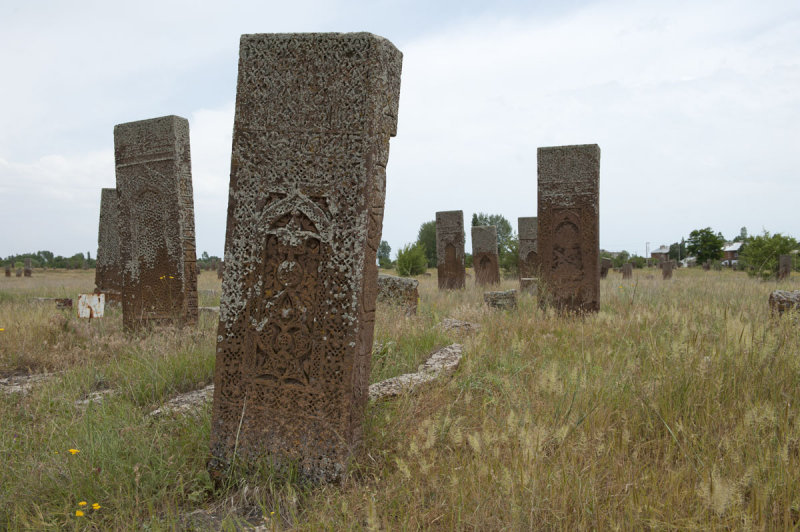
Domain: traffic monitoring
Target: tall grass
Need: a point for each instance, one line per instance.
(675, 406)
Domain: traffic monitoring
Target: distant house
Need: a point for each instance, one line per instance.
(730, 253)
(660, 254)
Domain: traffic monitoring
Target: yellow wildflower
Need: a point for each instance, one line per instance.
(96, 506)
(74, 451)
(78, 513)
(82, 503)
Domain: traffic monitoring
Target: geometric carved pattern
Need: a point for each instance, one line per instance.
(314, 114)
(156, 222)
(450, 249)
(568, 235)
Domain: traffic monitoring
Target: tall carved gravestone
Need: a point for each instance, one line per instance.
(485, 259)
(784, 267)
(528, 258)
(569, 237)
(627, 271)
(314, 114)
(605, 266)
(28, 268)
(108, 269)
(156, 221)
(666, 269)
(450, 249)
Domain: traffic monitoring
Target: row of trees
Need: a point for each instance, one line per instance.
(46, 259)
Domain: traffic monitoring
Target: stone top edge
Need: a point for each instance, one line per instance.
(108, 190)
(450, 212)
(156, 119)
(526, 218)
(245, 37)
(571, 146)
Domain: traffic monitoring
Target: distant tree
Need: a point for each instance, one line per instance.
(759, 255)
(621, 258)
(468, 260)
(204, 256)
(637, 261)
(705, 245)
(427, 237)
(45, 257)
(509, 261)
(742, 235)
(384, 250)
(411, 260)
(677, 251)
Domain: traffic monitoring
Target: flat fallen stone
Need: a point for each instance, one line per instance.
(209, 309)
(502, 300)
(450, 324)
(440, 364)
(23, 383)
(186, 402)
(95, 397)
(781, 301)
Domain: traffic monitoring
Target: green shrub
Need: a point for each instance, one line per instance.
(411, 260)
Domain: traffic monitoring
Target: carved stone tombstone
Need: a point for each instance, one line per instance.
(314, 114)
(627, 271)
(784, 267)
(528, 236)
(666, 269)
(156, 221)
(485, 259)
(28, 269)
(399, 291)
(450, 249)
(605, 266)
(8, 270)
(108, 270)
(569, 238)
(19, 272)
(707, 265)
(220, 269)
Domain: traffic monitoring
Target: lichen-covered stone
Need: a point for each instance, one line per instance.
(568, 218)
(156, 221)
(450, 249)
(108, 269)
(781, 301)
(400, 291)
(505, 300)
(314, 114)
(485, 259)
(528, 229)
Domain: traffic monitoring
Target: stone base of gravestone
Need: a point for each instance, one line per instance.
(19, 272)
(501, 300)
(627, 271)
(528, 285)
(28, 273)
(781, 301)
(400, 291)
(666, 270)
(487, 268)
(8, 271)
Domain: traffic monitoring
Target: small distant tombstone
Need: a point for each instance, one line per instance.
(108, 268)
(627, 271)
(450, 249)
(528, 236)
(528, 285)
(156, 222)
(568, 220)
(28, 269)
(666, 270)
(314, 114)
(19, 272)
(400, 291)
(605, 266)
(707, 266)
(91, 305)
(220, 269)
(485, 259)
(8, 270)
(784, 267)
(505, 300)
(781, 301)
(63, 303)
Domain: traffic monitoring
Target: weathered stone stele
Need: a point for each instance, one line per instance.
(399, 291)
(19, 272)
(605, 266)
(627, 271)
(568, 219)
(220, 269)
(666, 270)
(784, 267)
(485, 259)
(28, 268)
(156, 222)
(108, 269)
(527, 228)
(314, 114)
(8, 270)
(450, 249)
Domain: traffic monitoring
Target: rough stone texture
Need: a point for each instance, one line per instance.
(64, 303)
(707, 265)
(314, 114)
(454, 325)
(485, 259)
(156, 221)
(441, 363)
(108, 270)
(503, 300)
(19, 272)
(220, 269)
(28, 269)
(528, 247)
(627, 271)
(450, 249)
(23, 383)
(784, 267)
(666, 270)
(400, 291)
(569, 216)
(528, 285)
(605, 266)
(781, 301)
(8, 270)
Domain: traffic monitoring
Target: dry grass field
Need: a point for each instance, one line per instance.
(674, 407)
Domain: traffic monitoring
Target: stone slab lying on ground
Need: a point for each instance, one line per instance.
(209, 309)
(502, 300)
(450, 324)
(441, 363)
(782, 300)
(23, 383)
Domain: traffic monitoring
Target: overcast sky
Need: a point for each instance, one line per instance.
(695, 106)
